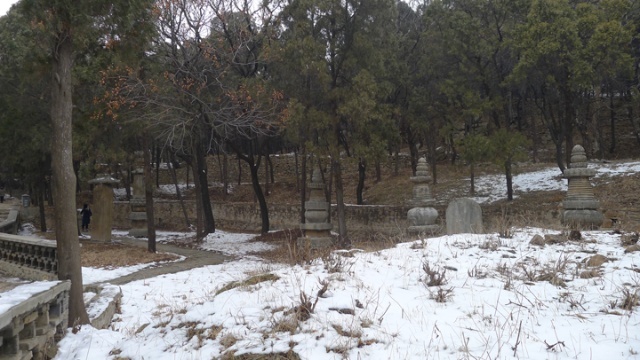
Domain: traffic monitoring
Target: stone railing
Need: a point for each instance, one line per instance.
(30, 329)
(10, 224)
(28, 258)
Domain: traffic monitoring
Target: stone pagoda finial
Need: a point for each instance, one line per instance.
(317, 228)
(580, 205)
(422, 218)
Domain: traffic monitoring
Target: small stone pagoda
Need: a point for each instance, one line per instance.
(422, 218)
(138, 214)
(317, 228)
(102, 207)
(580, 206)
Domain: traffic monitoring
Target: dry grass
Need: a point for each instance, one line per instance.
(248, 282)
(117, 255)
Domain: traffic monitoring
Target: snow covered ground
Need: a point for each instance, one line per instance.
(494, 187)
(452, 297)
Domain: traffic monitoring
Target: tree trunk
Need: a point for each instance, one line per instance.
(200, 176)
(186, 176)
(225, 175)
(507, 172)
(148, 194)
(43, 218)
(396, 163)
(612, 124)
(472, 170)
(257, 189)
(343, 238)
(296, 169)
(266, 176)
(362, 168)
(303, 185)
(174, 177)
(63, 178)
(158, 159)
(634, 124)
(271, 175)
(199, 222)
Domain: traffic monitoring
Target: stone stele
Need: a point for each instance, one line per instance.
(464, 216)
(138, 214)
(102, 207)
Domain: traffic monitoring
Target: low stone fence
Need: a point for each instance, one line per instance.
(28, 258)
(375, 219)
(30, 329)
(10, 224)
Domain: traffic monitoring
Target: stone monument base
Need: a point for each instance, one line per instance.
(138, 232)
(423, 229)
(583, 219)
(314, 243)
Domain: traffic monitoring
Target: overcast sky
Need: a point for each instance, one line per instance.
(5, 5)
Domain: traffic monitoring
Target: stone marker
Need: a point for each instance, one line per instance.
(580, 206)
(464, 216)
(317, 228)
(422, 218)
(102, 207)
(138, 215)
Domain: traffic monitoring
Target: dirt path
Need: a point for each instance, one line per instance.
(194, 259)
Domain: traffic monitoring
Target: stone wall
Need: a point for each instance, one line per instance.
(389, 220)
(373, 219)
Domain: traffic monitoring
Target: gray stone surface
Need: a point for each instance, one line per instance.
(138, 215)
(317, 228)
(28, 327)
(580, 206)
(464, 216)
(422, 218)
(102, 218)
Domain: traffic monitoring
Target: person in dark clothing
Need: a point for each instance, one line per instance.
(86, 217)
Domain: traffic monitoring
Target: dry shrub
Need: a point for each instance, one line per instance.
(286, 324)
(442, 295)
(228, 340)
(289, 355)
(630, 299)
(434, 277)
(306, 307)
(346, 332)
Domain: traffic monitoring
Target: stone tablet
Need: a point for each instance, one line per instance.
(464, 216)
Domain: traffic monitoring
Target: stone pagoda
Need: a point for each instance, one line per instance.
(102, 207)
(138, 214)
(580, 205)
(422, 218)
(317, 228)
